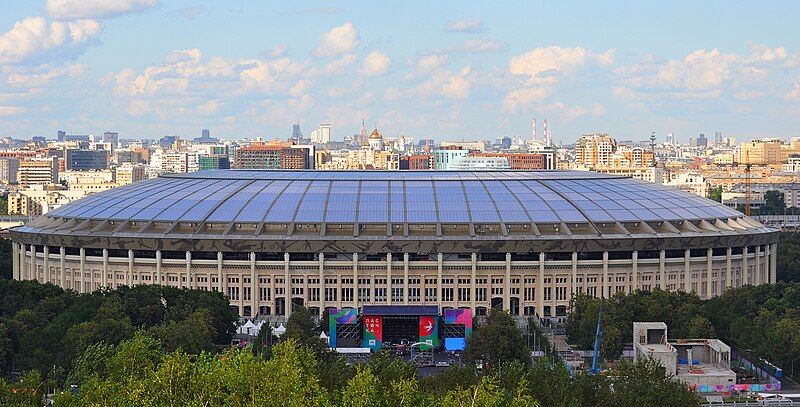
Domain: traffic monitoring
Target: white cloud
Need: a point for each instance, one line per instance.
(375, 64)
(339, 40)
(428, 63)
(555, 61)
(519, 98)
(11, 110)
(473, 25)
(209, 108)
(184, 55)
(34, 40)
(482, 45)
(80, 9)
(279, 50)
(707, 74)
(442, 84)
(336, 67)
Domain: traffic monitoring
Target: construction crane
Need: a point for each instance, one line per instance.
(598, 336)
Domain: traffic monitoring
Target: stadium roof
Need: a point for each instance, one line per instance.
(397, 197)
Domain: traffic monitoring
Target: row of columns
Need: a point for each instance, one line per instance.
(21, 263)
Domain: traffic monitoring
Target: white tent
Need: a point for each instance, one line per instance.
(324, 337)
(280, 330)
(248, 327)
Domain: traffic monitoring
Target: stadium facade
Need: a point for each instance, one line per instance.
(521, 241)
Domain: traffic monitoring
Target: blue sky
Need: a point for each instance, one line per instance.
(442, 70)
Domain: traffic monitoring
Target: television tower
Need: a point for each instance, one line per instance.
(533, 129)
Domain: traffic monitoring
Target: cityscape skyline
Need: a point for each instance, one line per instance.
(147, 68)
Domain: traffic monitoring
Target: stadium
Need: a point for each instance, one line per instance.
(520, 241)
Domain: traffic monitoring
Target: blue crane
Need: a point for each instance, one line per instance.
(598, 336)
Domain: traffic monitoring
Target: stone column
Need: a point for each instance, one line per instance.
(687, 270)
(390, 286)
(661, 270)
(15, 261)
(158, 267)
(473, 284)
(34, 272)
(23, 262)
(439, 260)
(728, 253)
(507, 285)
(104, 277)
(709, 268)
(635, 270)
(540, 286)
(405, 278)
(189, 279)
(46, 264)
(221, 285)
(757, 261)
(745, 270)
(355, 282)
(574, 284)
(83, 270)
(129, 274)
(288, 282)
(254, 284)
(62, 251)
(605, 287)
(321, 282)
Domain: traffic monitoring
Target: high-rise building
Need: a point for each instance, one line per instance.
(670, 138)
(271, 156)
(8, 170)
(594, 150)
(38, 172)
(702, 141)
(84, 160)
(111, 137)
(129, 173)
(64, 137)
(213, 162)
(321, 135)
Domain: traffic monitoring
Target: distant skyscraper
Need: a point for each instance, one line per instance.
(533, 129)
(670, 138)
(322, 135)
(205, 133)
(702, 141)
(296, 133)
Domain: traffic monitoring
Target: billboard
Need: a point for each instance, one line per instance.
(458, 326)
(373, 332)
(343, 316)
(429, 331)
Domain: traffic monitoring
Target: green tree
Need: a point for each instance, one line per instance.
(498, 342)
(301, 328)
(716, 194)
(644, 384)
(701, 327)
(773, 203)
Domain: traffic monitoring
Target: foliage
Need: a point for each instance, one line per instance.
(773, 203)
(763, 320)
(789, 257)
(716, 194)
(138, 372)
(301, 328)
(498, 342)
(6, 259)
(42, 326)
